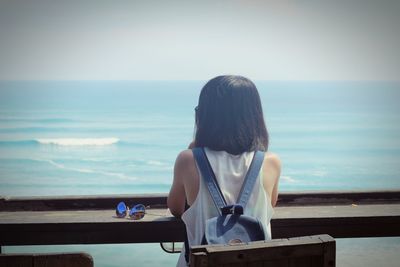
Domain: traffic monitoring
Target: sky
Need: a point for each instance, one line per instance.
(197, 40)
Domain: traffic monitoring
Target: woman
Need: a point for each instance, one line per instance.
(230, 127)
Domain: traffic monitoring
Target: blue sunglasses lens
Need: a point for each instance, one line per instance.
(137, 212)
(121, 210)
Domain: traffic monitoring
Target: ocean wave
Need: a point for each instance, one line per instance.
(287, 179)
(85, 142)
(81, 170)
(155, 163)
(319, 173)
(78, 141)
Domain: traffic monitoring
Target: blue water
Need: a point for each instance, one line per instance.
(329, 135)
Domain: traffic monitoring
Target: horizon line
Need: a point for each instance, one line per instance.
(190, 80)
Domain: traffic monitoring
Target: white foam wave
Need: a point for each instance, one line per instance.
(114, 174)
(97, 160)
(287, 179)
(319, 173)
(155, 163)
(78, 141)
(61, 166)
(159, 165)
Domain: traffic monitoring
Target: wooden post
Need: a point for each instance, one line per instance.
(329, 250)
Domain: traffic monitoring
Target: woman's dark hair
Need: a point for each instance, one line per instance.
(229, 116)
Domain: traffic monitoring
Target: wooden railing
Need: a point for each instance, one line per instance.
(91, 220)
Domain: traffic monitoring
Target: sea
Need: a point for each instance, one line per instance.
(62, 138)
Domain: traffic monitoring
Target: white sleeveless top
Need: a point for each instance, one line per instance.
(230, 171)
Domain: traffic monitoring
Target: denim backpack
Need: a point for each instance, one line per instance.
(231, 226)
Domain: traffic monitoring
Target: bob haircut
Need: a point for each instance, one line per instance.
(229, 116)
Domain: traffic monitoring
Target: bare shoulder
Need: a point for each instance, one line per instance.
(272, 160)
(185, 163)
(184, 157)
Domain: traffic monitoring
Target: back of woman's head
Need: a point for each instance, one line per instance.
(229, 116)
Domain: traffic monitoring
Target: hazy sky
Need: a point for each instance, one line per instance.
(156, 40)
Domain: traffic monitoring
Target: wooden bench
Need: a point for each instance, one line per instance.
(46, 260)
(307, 251)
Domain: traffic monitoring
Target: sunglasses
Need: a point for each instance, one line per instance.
(137, 212)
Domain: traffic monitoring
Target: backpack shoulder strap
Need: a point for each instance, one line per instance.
(209, 177)
(250, 178)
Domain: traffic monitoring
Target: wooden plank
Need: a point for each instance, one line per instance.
(160, 215)
(46, 260)
(277, 263)
(300, 262)
(312, 198)
(300, 252)
(317, 261)
(96, 202)
(160, 200)
(86, 227)
(9, 260)
(101, 226)
(340, 227)
(254, 264)
(355, 221)
(275, 251)
(90, 233)
(261, 254)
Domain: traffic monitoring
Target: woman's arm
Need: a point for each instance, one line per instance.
(177, 196)
(272, 171)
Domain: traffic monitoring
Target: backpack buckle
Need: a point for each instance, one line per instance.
(232, 209)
